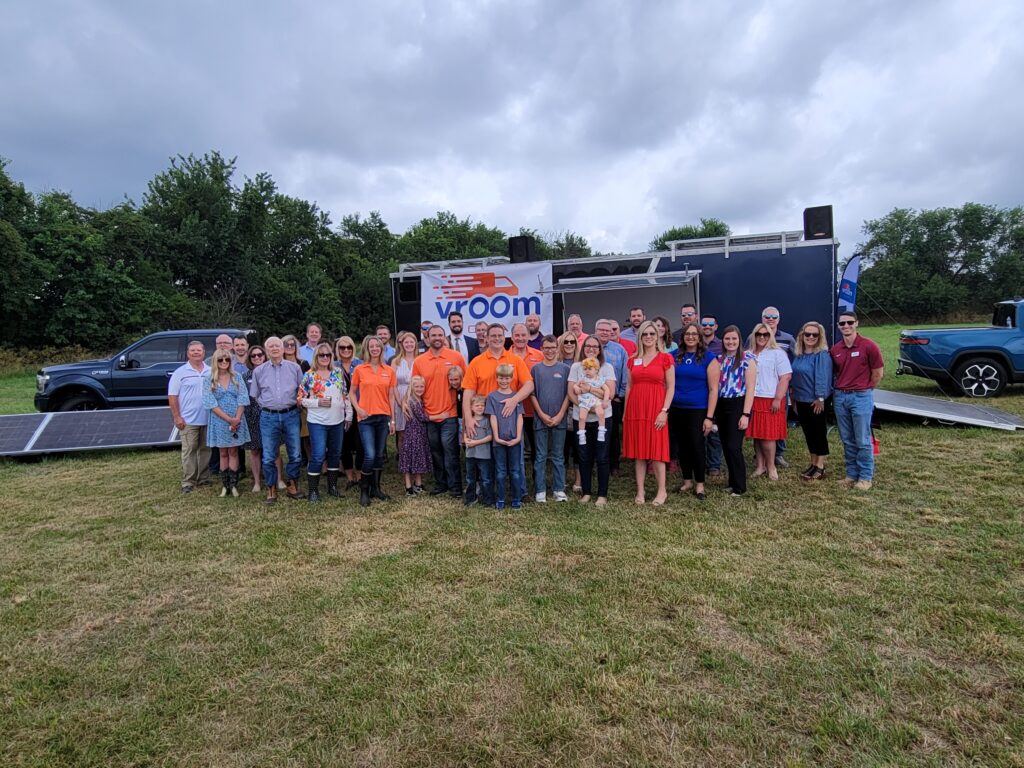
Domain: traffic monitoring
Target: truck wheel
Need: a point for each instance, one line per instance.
(79, 403)
(981, 377)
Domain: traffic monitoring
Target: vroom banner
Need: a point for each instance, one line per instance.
(497, 293)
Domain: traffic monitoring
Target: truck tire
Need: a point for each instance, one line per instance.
(981, 377)
(79, 403)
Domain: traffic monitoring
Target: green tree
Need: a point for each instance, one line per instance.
(569, 245)
(447, 238)
(707, 228)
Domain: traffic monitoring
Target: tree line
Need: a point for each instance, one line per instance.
(200, 250)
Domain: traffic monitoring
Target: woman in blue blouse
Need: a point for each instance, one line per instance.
(811, 386)
(693, 406)
(736, 383)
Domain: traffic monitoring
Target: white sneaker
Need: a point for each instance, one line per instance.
(541, 497)
(560, 496)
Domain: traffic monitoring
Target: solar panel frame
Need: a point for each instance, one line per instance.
(968, 413)
(98, 430)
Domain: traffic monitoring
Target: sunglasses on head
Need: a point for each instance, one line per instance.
(847, 322)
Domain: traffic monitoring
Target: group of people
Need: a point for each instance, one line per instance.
(454, 400)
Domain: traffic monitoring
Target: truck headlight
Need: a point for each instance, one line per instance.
(42, 379)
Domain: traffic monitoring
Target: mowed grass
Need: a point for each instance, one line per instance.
(801, 625)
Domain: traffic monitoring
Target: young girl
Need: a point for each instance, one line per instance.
(414, 460)
(590, 402)
(224, 393)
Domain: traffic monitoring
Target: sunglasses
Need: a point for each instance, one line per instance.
(345, 346)
(289, 343)
(257, 354)
(762, 334)
(847, 322)
(769, 317)
(649, 333)
(569, 343)
(324, 354)
(708, 325)
(687, 314)
(811, 334)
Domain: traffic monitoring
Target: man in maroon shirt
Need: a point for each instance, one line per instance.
(858, 368)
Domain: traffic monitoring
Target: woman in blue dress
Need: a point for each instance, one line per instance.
(225, 394)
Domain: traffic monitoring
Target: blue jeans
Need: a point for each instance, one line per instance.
(713, 451)
(373, 431)
(853, 417)
(508, 463)
(324, 443)
(443, 437)
(548, 441)
(277, 428)
(479, 469)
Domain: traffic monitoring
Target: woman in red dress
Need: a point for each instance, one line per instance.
(648, 397)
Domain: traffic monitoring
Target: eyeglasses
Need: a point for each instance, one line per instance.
(769, 317)
(345, 346)
(847, 322)
(761, 334)
(324, 354)
(649, 333)
(811, 334)
(289, 343)
(708, 325)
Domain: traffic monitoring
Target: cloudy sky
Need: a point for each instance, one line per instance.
(615, 119)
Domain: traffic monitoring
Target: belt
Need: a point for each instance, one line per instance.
(280, 410)
(852, 391)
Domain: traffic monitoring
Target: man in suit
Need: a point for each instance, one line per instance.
(467, 346)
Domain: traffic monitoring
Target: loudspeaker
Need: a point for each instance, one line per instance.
(522, 248)
(818, 223)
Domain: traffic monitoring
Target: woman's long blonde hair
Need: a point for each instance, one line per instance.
(821, 346)
(236, 380)
(752, 341)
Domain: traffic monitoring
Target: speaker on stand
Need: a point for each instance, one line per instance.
(521, 249)
(818, 223)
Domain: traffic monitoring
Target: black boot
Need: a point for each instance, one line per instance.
(313, 481)
(377, 493)
(225, 477)
(364, 491)
(332, 483)
(233, 476)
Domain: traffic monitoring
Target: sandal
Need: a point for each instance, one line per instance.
(657, 503)
(639, 501)
(686, 487)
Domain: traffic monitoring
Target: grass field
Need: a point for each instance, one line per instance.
(800, 625)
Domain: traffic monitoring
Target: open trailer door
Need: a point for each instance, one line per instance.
(659, 293)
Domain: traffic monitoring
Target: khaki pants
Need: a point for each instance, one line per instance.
(195, 456)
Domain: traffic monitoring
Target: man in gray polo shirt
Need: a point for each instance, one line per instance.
(550, 400)
(275, 385)
(185, 398)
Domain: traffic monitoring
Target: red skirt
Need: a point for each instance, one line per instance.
(765, 425)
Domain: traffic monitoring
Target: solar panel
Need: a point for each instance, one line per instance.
(16, 431)
(947, 410)
(86, 431)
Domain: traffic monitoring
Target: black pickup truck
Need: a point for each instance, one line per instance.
(134, 377)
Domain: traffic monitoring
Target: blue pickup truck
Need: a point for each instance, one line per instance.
(979, 362)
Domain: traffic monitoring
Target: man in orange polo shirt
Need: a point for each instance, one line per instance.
(521, 348)
(480, 378)
(439, 403)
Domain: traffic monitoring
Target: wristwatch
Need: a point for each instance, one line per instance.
(747, 415)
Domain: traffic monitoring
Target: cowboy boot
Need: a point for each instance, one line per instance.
(376, 491)
(225, 477)
(292, 490)
(233, 475)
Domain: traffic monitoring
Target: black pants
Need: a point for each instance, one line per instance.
(352, 448)
(815, 427)
(686, 425)
(591, 453)
(727, 415)
(615, 434)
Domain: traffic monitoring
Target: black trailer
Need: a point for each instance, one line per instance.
(733, 278)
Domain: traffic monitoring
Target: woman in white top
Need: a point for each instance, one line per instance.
(324, 396)
(768, 419)
(594, 451)
(408, 348)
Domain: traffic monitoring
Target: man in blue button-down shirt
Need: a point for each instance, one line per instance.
(615, 355)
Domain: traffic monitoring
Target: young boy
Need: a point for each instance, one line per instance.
(508, 439)
(478, 456)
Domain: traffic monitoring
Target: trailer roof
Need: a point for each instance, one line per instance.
(703, 245)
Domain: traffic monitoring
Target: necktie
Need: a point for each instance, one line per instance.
(457, 340)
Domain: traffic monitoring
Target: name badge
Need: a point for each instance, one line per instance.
(638, 361)
(855, 354)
